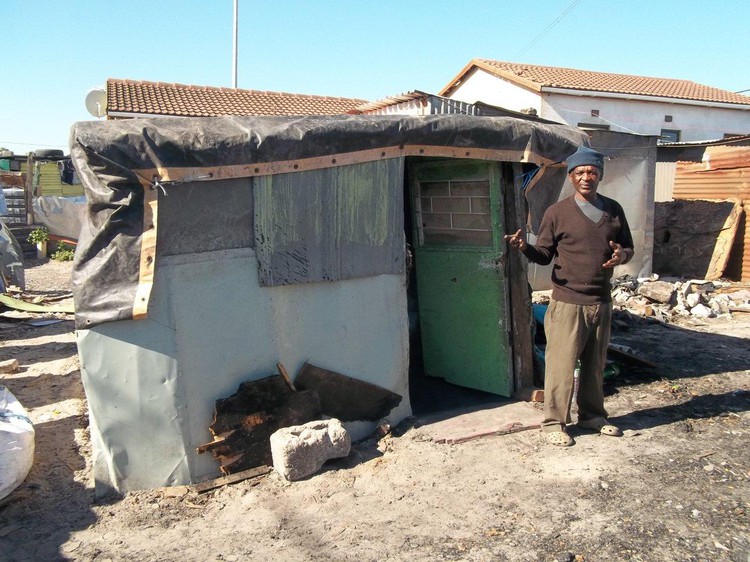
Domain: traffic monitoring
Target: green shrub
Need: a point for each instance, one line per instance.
(63, 252)
(39, 234)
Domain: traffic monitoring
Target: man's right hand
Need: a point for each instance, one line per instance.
(516, 241)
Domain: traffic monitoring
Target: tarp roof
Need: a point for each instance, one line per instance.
(122, 163)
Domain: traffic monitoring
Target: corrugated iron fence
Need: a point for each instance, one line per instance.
(724, 174)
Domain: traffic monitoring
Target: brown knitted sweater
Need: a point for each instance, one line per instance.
(579, 247)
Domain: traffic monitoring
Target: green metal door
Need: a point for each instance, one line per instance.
(460, 257)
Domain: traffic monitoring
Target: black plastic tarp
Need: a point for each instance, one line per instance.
(111, 157)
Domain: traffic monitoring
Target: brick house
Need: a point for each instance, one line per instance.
(672, 109)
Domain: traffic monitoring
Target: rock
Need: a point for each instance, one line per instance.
(719, 306)
(701, 311)
(620, 296)
(9, 366)
(657, 291)
(739, 297)
(301, 450)
(693, 299)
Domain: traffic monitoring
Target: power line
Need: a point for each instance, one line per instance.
(546, 29)
(29, 143)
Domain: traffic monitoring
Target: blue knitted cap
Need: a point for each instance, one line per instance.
(586, 156)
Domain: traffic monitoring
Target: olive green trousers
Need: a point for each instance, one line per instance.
(575, 332)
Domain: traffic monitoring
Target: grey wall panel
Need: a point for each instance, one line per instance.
(136, 406)
(205, 216)
(152, 384)
(331, 224)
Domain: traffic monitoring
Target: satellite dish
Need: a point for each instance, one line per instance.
(96, 102)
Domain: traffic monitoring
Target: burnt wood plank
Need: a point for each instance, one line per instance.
(243, 423)
(231, 479)
(346, 398)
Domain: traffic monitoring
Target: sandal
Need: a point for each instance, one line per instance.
(600, 425)
(559, 438)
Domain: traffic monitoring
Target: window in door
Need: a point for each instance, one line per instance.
(455, 213)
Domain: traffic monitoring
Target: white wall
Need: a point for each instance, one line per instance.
(694, 122)
(483, 86)
(647, 118)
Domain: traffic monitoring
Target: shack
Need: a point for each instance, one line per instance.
(703, 195)
(214, 248)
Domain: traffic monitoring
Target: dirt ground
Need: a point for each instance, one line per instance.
(675, 487)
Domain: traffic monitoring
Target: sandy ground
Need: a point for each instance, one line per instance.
(675, 487)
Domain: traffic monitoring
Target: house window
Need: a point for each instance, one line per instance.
(593, 126)
(669, 135)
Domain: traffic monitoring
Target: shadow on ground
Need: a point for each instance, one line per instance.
(39, 516)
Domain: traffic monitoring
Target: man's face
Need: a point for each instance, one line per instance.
(585, 180)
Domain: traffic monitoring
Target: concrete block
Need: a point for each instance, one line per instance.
(301, 450)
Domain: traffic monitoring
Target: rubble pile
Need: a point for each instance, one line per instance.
(666, 300)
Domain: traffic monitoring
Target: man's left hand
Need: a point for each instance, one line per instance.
(617, 255)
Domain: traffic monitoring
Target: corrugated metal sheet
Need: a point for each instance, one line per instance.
(738, 140)
(723, 174)
(664, 182)
(726, 157)
(714, 184)
(421, 103)
(378, 107)
(330, 224)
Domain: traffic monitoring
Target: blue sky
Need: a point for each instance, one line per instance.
(56, 50)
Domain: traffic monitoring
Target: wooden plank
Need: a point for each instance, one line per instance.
(29, 190)
(346, 398)
(285, 376)
(724, 243)
(148, 252)
(231, 479)
(517, 285)
(244, 422)
(629, 357)
(183, 174)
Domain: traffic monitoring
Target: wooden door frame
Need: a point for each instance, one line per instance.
(517, 277)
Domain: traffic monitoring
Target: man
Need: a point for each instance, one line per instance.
(587, 235)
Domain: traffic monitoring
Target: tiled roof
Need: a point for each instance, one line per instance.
(538, 77)
(158, 98)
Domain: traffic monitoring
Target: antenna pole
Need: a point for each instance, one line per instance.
(234, 45)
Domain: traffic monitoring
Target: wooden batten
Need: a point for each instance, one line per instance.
(185, 175)
(148, 251)
(300, 165)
